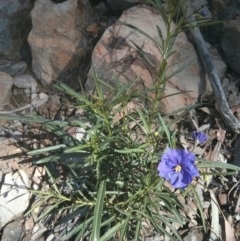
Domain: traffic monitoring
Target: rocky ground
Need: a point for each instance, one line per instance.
(43, 41)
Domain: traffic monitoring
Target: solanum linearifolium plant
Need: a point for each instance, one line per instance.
(117, 172)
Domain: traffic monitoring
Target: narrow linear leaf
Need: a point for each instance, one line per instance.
(77, 229)
(55, 206)
(166, 130)
(98, 211)
(207, 164)
(137, 231)
(60, 156)
(46, 149)
(84, 232)
(130, 151)
(124, 229)
(52, 180)
(112, 231)
(142, 32)
(179, 70)
(72, 93)
(144, 121)
(108, 221)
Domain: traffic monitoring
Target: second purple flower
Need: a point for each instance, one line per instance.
(200, 137)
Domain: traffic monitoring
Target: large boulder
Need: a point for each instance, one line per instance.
(116, 57)
(15, 25)
(57, 40)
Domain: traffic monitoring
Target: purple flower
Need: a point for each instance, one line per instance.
(200, 137)
(178, 167)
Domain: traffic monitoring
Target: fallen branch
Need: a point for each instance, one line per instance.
(227, 115)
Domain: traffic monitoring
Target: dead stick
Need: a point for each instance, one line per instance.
(227, 116)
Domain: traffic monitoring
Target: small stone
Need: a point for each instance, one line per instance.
(29, 224)
(42, 96)
(222, 198)
(14, 69)
(27, 92)
(38, 232)
(6, 82)
(24, 81)
(17, 68)
(237, 217)
(103, 24)
(17, 135)
(92, 28)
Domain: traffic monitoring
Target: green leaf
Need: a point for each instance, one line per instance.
(98, 86)
(77, 229)
(125, 226)
(157, 223)
(73, 93)
(46, 149)
(52, 180)
(143, 33)
(50, 210)
(108, 221)
(179, 69)
(146, 128)
(112, 231)
(206, 164)
(166, 130)
(129, 151)
(98, 211)
(60, 156)
(137, 231)
(143, 54)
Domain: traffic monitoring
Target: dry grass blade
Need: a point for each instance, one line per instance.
(215, 231)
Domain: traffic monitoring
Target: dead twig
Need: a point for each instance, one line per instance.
(227, 115)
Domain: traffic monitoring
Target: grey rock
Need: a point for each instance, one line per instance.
(12, 231)
(14, 69)
(38, 232)
(6, 82)
(24, 81)
(15, 24)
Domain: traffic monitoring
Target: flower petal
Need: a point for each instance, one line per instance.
(184, 182)
(200, 137)
(176, 180)
(172, 158)
(191, 170)
(164, 169)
